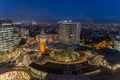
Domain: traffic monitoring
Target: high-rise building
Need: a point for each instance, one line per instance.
(6, 35)
(69, 32)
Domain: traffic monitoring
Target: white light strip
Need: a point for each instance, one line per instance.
(6, 24)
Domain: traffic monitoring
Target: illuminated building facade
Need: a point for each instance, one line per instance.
(52, 38)
(15, 75)
(6, 36)
(42, 42)
(118, 46)
(69, 32)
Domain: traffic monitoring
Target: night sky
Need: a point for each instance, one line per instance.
(59, 9)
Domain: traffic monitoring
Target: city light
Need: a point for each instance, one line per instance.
(59, 40)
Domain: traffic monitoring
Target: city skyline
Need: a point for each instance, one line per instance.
(59, 9)
(43, 51)
(59, 40)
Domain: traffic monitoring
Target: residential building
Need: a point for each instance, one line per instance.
(69, 32)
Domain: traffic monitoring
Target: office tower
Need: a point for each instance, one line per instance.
(69, 32)
(6, 35)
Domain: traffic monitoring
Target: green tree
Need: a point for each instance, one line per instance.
(22, 42)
